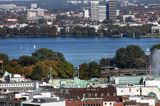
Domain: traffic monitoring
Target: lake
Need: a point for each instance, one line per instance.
(75, 50)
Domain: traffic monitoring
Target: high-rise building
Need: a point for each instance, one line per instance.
(95, 10)
(102, 13)
(86, 13)
(111, 9)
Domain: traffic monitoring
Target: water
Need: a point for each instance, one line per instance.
(75, 50)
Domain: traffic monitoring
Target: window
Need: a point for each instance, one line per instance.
(102, 94)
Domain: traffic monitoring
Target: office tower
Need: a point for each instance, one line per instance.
(111, 6)
(94, 10)
(102, 13)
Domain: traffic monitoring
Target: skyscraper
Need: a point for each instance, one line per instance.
(94, 10)
(111, 9)
(102, 13)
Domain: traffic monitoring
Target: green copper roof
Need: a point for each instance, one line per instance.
(128, 80)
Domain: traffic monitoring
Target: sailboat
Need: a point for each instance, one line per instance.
(34, 46)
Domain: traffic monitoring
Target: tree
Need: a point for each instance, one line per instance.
(83, 71)
(38, 72)
(47, 54)
(28, 71)
(52, 68)
(120, 58)
(5, 59)
(27, 60)
(154, 47)
(94, 70)
(129, 56)
(14, 67)
(104, 62)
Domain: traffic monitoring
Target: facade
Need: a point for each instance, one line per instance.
(129, 91)
(155, 29)
(112, 6)
(128, 16)
(146, 100)
(151, 83)
(102, 13)
(139, 91)
(44, 102)
(19, 86)
(69, 83)
(95, 10)
(9, 100)
(85, 102)
(12, 7)
(86, 13)
(90, 92)
(33, 6)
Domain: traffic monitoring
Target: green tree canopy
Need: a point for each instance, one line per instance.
(104, 62)
(94, 70)
(129, 56)
(47, 54)
(57, 69)
(27, 60)
(5, 58)
(83, 71)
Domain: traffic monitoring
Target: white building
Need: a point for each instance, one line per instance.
(40, 12)
(49, 101)
(155, 29)
(128, 16)
(20, 85)
(95, 10)
(33, 6)
(139, 91)
(151, 83)
(12, 7)
(128, 91)
(102, 13)
(31, 14)
(86, 13)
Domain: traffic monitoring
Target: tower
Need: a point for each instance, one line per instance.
(94, 10)
(111, 9)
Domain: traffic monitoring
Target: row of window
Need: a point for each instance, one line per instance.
(101, 94)
(16, 85)
(129, 90)
(91, 105)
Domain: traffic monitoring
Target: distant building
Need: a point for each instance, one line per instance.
(44, 101)
(33, 6)
(86, 13)
(124, 3)
(31, 14)
(111, 9)
(85, 102)
(155, 29)
(95, 10)
(102, 13)
(18, 86)
(76, 2)
(128, 16)
(12, 7)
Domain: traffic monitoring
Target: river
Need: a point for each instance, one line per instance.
(75, 50)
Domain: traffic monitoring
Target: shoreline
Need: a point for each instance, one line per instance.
(79, 36)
